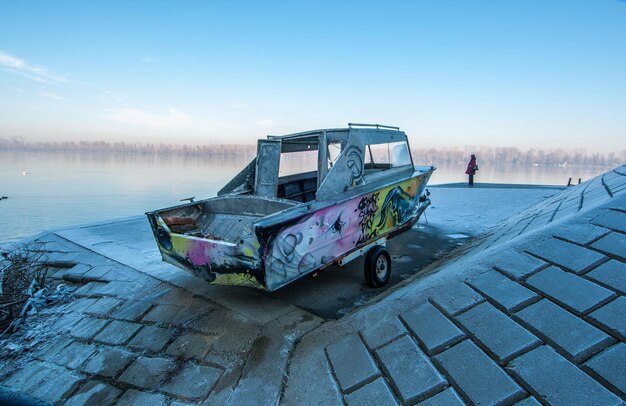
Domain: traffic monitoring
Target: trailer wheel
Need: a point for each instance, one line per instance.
(377, 267)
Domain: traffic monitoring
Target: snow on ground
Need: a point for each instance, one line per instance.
(471, 211)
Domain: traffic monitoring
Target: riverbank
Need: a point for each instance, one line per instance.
(134, 313)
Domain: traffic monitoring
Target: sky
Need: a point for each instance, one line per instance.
(528, 74)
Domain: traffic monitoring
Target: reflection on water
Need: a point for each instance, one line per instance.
(50, 190)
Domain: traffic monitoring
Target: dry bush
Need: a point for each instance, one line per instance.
(23, 274)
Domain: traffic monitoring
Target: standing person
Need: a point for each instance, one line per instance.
(472, 167)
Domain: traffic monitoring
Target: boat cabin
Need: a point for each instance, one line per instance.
(320, 164)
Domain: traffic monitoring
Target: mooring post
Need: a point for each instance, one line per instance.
(569, 182)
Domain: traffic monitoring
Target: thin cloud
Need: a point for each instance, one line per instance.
(21, 67)
(148, 59)
(53, 96)
(172, 120)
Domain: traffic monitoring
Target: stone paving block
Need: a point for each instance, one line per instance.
(579, 233)
(570, 256)
(88, 327)
(501, 336)
(152, 338)
(103, 306)
(89, 289)
(530, 401)
(455, 298)
(123, 289)
(557, 381)
(66, 322)
(51, 348)
(351, 362)
(134, 397)
(29, 375)
(612, 219)
(131, 310)
(191, 345)
(56, 386)
(74, 355)
(613, 244)
(571, 335)
(610, 367)
(446, 398)
(108, 362)
(373, 394)
(75, 274)
(576, 293)
(612, 317)
(97, 273)
(479, 378)
(166, 314)
(117, 333)
(612, 275)
(432, 329)
(94, 393)
(410, 371)
(81, 305)
(506, 294)
(381, 331)
(146, 372)
(193, 382)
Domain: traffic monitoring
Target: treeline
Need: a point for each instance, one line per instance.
(217, 150)
(515, 156)
(491, 155)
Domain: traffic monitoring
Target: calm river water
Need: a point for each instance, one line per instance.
(50, 190)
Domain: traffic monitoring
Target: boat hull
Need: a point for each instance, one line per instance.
(288, 245)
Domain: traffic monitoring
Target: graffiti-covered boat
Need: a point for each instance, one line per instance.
(354, 188)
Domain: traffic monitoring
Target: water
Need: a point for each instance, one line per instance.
(51, 190)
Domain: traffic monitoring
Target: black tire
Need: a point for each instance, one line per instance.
(377, 267)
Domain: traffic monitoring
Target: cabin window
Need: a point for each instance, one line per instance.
(391, 154)
(293, 163)
(381, 157)
(334, 152)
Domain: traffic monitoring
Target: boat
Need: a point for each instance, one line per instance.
(267, 228)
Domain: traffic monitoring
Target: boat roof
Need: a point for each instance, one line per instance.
(315, 133)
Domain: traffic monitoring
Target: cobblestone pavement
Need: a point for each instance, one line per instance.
(534, 311)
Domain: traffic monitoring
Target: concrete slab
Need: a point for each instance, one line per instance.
(94, 393)
(517, 265)
(609, 367)
(410, 372)
(570, 256)
(611, 275)
(447, 397)
(133, 397)
(373, 394)
(477, 377)
(612, 317)
(557, 381)
(352, 362)
(192, 382)
(433, 330)
(455, 298)
(571, 291)
(147, 372)
(117, 333)
(611, 219)
(572, 336)
(497, 333)
(108, 362)
(613, 245)
(502, 291)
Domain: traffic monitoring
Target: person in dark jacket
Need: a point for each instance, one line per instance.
(472, 167)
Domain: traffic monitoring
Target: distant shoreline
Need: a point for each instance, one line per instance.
(490, 155)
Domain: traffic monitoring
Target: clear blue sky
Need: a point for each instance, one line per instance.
(529, 74)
